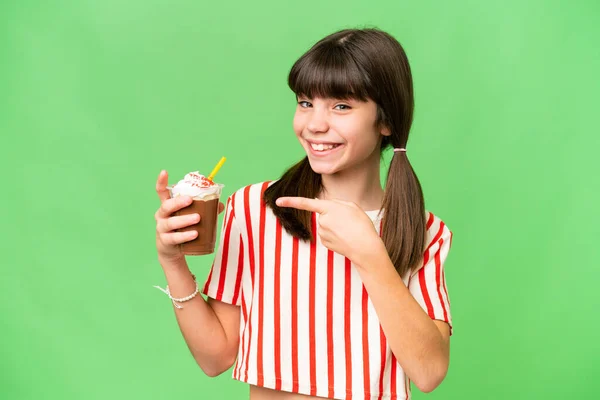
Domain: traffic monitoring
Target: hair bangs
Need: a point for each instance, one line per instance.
(328, 71)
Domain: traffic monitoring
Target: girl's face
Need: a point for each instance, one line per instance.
(337, 134)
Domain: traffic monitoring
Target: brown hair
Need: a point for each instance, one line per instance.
(362, 64)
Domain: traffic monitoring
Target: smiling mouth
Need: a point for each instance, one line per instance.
(323, 146)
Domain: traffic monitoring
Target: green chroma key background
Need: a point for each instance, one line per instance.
(98, 96)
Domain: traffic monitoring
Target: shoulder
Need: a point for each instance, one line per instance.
(437, 230)
(438, 239)
(249, 196)
(253, 190)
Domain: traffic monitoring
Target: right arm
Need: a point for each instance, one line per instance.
(210, 327)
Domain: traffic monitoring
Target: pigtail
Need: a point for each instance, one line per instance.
(298, 181)
(404, 224)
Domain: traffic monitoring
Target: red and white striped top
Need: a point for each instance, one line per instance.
(307, 323)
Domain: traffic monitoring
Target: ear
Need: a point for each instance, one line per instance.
(385, 131)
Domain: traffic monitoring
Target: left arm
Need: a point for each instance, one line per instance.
(421, 345)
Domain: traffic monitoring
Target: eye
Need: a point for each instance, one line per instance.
(342, 107)
(304, 104)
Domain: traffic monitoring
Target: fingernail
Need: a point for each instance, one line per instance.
(278, 202)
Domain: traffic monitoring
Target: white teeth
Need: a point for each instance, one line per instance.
(322, 147)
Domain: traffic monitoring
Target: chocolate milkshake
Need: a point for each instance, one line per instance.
(206, 195)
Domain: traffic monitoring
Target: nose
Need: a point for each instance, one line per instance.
(318, 122)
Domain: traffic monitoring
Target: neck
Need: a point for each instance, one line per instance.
(360, 185)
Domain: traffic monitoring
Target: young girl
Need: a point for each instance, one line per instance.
(324, 284)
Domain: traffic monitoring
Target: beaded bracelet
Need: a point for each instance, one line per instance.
(176, 300)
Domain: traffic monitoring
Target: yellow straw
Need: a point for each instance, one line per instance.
(216, 169)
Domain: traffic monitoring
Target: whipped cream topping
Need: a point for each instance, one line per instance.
(196, 185)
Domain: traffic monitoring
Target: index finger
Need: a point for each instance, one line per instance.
(161, 186)
(302, 203)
